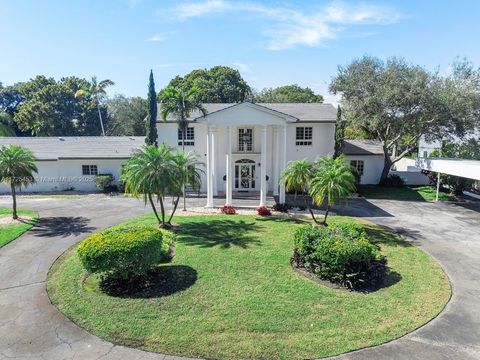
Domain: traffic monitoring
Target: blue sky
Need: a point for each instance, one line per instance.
(272, 43)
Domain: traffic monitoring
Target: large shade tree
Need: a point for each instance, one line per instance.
(17, 165)
(287, 94)
(397, 103)
(126, 116)
(96, 90)
(220, 84)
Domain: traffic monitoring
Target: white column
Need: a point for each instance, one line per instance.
(438, 187)
(263, 168)
(283, 162)
(214, 162)
(209, 169)
(228, 184)
(276, 161)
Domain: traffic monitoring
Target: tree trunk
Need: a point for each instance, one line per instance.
(14, 205)
(100, 117)
(307, 205)
(174, 209)
(154, 209)
(387, 164)
(326, 214)
(162, 208)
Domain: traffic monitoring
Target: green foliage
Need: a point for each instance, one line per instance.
(339, 133)
(297, 175)
(126, 116)
(220, 84)
(124, 252)
(332, 181)
(10, 98)
(50, 108)
(397, 103)
(151, 129)
(104, 182)
(154, 172)
(17, 165)
(287, 94)
(342, 254)
(6, 124)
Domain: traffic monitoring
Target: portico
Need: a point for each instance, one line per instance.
(253, 146)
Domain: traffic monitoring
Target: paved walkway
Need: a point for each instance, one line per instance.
(31, 328)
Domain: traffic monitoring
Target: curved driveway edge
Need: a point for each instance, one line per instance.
(32, 328)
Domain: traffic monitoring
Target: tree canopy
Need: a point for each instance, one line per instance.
(126, 116)
(397, 103)
(287, 94)
(220, 84)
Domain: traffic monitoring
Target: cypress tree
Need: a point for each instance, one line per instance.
(339, 133)
(152, 136)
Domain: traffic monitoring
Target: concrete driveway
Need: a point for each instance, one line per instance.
(31, 328)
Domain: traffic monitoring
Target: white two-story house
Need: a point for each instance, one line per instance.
(246, 146)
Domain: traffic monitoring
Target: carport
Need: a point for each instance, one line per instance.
(469, 169)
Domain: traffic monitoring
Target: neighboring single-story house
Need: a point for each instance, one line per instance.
(71, 163)
(367, 157)
(244, 147)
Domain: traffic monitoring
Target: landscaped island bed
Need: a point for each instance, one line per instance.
(12, 229)
(231, 293)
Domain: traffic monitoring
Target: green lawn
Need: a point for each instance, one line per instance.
(231, 294)
(410, 193)
(9, 233)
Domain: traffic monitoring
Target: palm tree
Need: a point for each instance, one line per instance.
(17, 165)
(332, 180)
(180, 104)
(187, 171)
(148, 174)
(96, 90)
(296, 177)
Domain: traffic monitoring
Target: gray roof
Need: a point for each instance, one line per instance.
(363, 147)
(301, 111)
(84, 147)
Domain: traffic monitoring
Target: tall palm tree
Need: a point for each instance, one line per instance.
(187, 171)
(296, 177)
(148, 174)
(332, 180)
(180, 104)
(96, 90)
(17, 165)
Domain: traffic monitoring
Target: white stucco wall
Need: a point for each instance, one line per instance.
(372, 169)
(66, 174)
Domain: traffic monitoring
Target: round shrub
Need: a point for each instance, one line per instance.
(264, 211)
(341, 254)
(125, 252)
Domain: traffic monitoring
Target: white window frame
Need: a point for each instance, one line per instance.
(358, 165)
(303, 138)
(242, 144)
(89, 169)
(189, 136)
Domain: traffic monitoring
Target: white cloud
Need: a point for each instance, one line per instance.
(287, 27)
(245, 68)
(159, 37)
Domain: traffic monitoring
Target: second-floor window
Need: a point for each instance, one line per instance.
(245, 140)
(189, 137)
(303, 136)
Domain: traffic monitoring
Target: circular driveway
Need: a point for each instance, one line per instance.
(31, 328)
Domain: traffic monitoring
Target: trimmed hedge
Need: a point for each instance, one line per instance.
(125, 252)
(341, 254)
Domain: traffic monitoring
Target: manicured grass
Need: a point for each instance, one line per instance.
(9, 233)
(410, 193)
(231, 294)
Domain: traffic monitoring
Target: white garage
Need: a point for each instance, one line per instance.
(71, 163)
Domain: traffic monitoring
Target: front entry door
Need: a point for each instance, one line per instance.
(244, 175)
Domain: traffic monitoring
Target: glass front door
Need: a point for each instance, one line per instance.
(244, 175)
